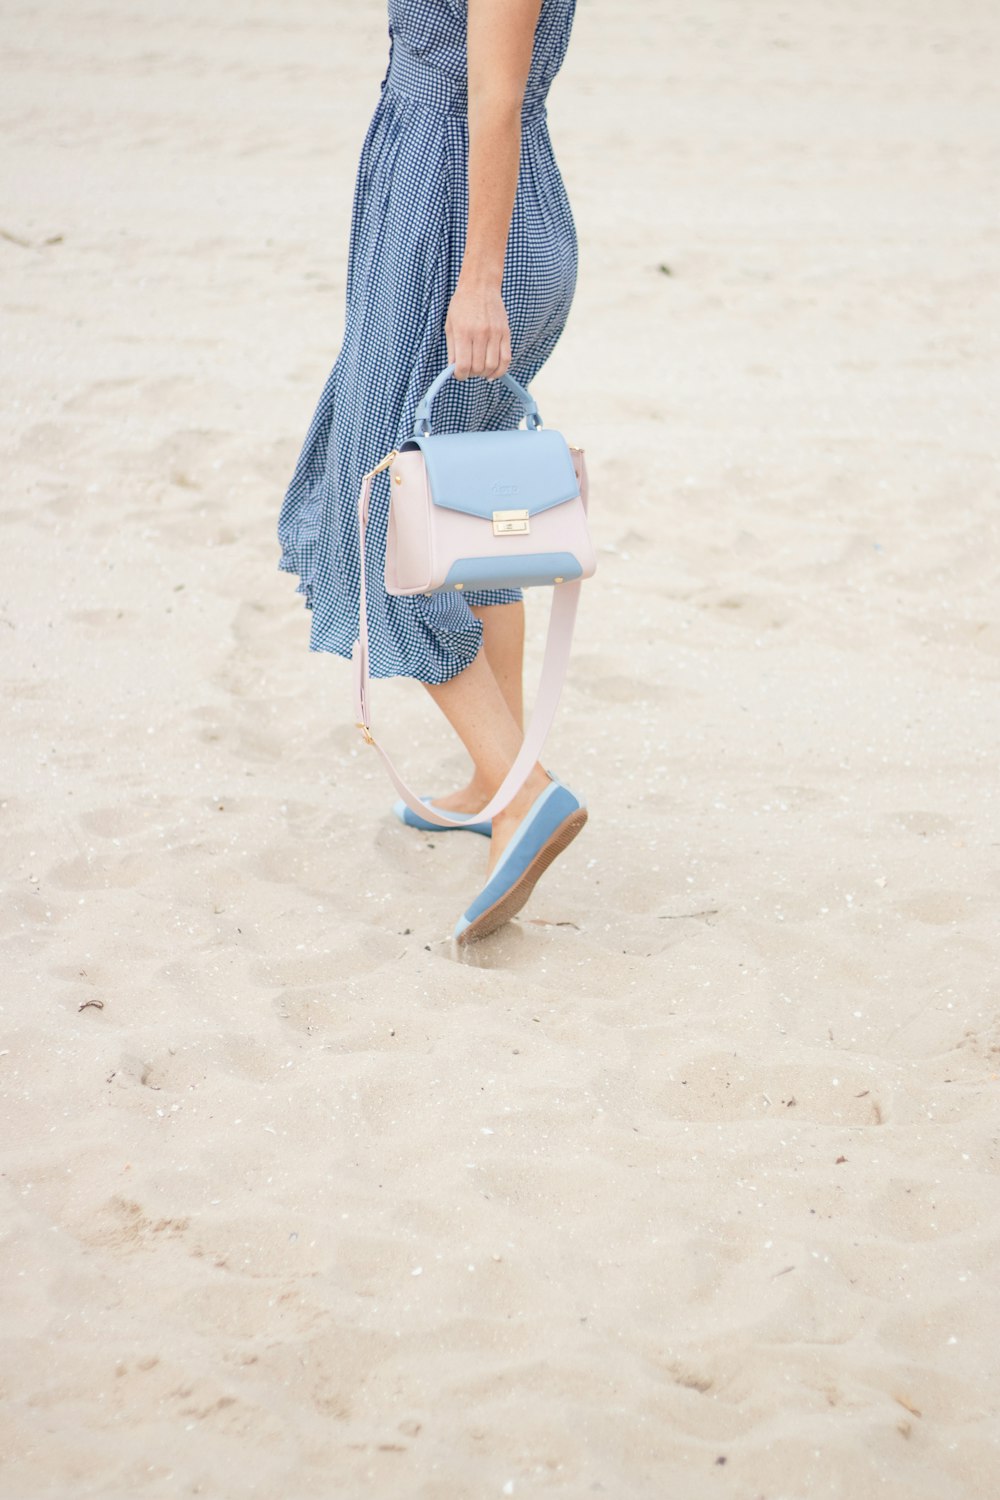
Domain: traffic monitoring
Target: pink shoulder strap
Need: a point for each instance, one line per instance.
(565, 597)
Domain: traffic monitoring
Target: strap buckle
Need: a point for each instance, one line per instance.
(382, 464)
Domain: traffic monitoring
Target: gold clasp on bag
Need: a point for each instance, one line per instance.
(510, 522)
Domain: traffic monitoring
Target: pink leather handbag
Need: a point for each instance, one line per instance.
(483, 510)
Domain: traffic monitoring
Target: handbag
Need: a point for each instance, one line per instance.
(477, 510)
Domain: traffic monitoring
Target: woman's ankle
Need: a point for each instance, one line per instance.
(529, 793)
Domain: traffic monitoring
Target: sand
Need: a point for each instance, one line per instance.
(684, 1185)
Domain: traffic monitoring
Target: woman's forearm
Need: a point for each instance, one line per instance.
(494, 160)
(500, 41)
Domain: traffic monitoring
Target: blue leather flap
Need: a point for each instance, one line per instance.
(480, 472)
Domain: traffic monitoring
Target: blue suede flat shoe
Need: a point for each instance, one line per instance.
(406, 815)
(555, 819)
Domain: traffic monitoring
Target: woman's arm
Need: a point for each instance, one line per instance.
(500, 38)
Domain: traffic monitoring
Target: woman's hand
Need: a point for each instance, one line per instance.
(477, 329)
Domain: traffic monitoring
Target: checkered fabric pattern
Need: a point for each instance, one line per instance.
(408, 228)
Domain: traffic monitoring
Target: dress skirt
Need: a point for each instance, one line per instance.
(408, 228)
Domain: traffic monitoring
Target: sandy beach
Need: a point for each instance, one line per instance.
(684, 1185)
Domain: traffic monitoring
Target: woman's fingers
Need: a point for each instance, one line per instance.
(477, 338)
(495, 343)
(481, 346)
(462, 355)
(458, 338)
(471, 353)
(492, 356)
(498, 354)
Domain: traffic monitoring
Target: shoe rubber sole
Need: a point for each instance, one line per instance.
(511, 901)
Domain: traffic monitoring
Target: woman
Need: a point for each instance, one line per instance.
(462, 248)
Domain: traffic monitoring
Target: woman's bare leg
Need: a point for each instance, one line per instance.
(503, 638)
(503, 643)
(476, 708)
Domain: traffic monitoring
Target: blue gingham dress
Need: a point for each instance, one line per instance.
(408, 228)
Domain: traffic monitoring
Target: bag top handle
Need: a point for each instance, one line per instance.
(422, 417)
